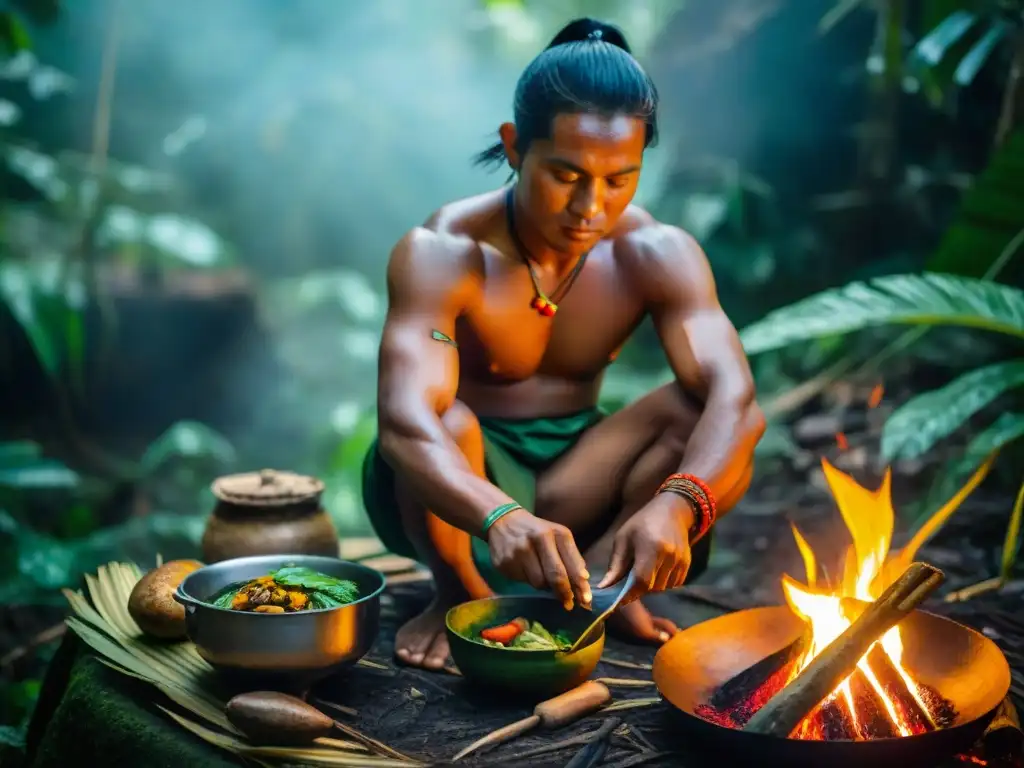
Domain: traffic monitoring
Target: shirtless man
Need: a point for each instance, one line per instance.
(494, 466)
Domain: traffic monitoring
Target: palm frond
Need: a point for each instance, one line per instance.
(988, 225)
(178, 672)
(926, 299)
(1008, 428)
(289, 754)
(921, 422)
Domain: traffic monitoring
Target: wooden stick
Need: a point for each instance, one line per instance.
(626, 664)
(634, 760)
(783, 712)
(592, 754)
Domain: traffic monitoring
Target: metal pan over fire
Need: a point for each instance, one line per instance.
(957, 665)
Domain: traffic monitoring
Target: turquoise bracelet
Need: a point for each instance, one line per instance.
(499, 513)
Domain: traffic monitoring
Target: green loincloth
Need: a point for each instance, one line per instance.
(515, 452)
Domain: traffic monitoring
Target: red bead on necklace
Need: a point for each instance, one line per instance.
(544, 306)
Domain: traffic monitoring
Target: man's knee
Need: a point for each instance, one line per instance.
(675, 411)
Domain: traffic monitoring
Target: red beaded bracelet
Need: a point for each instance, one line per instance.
(698, 492)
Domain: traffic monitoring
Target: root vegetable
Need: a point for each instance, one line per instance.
(272, 718)
(152, 604)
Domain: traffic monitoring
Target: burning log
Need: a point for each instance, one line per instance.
(889, 679)
(761, 680)
(872, 720)
(735, 701)
(783, 712)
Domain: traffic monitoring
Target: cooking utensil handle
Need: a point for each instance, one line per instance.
(627, 585)
(572, 705)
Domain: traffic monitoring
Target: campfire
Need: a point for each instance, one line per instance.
(880, 698)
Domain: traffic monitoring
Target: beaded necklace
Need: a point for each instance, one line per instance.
(545, 306)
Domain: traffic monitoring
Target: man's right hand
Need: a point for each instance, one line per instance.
(543, 554)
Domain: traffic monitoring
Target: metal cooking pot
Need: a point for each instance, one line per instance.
(292, 649)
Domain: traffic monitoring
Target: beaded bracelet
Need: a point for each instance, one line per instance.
(699, 494)
(498, 513)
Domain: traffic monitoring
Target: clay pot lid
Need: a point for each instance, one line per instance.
(268, 487)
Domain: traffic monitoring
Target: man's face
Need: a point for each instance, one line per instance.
(575, 185)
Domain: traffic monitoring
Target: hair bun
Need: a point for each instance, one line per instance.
(590, 29)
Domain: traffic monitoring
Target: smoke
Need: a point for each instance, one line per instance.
(317, 132)
(311, 135)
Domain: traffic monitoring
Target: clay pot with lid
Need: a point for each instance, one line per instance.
(268, 513)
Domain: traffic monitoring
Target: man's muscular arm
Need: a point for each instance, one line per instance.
(429, 285)
(705, 353)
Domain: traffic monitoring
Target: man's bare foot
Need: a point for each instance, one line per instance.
(421, 642)
(635, 622)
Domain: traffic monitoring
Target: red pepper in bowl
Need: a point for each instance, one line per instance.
(505, 633)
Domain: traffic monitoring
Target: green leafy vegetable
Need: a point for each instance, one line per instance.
(326, 589)
(322, 591)
(535, 638)
(223, 600)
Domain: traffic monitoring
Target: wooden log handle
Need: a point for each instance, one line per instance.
(572, 705)
(784, 711)
(553, 713)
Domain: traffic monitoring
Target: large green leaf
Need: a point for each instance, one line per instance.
(33, 564)
(13, 35)
(49, 310)
(932, 48)
(975, 59)
(991, 216)
(23, 467)
(927, 299)
(1003, 431)
(920, 423)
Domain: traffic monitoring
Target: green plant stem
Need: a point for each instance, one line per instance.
(1013, 96)
(1012, 536)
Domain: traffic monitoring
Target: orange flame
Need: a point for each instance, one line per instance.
(868, 569)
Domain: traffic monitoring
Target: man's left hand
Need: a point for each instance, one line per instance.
(656, 541)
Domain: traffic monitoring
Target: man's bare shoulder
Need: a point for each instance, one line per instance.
(444, 254)
(429, 259)
(471, 217)
(662, 250)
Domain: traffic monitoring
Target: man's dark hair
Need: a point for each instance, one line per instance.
(588, 67)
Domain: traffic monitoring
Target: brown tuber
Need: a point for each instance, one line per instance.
(152, 602)
(272, 718)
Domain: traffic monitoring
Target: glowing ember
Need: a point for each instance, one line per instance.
(876, 396)
(880, 699)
